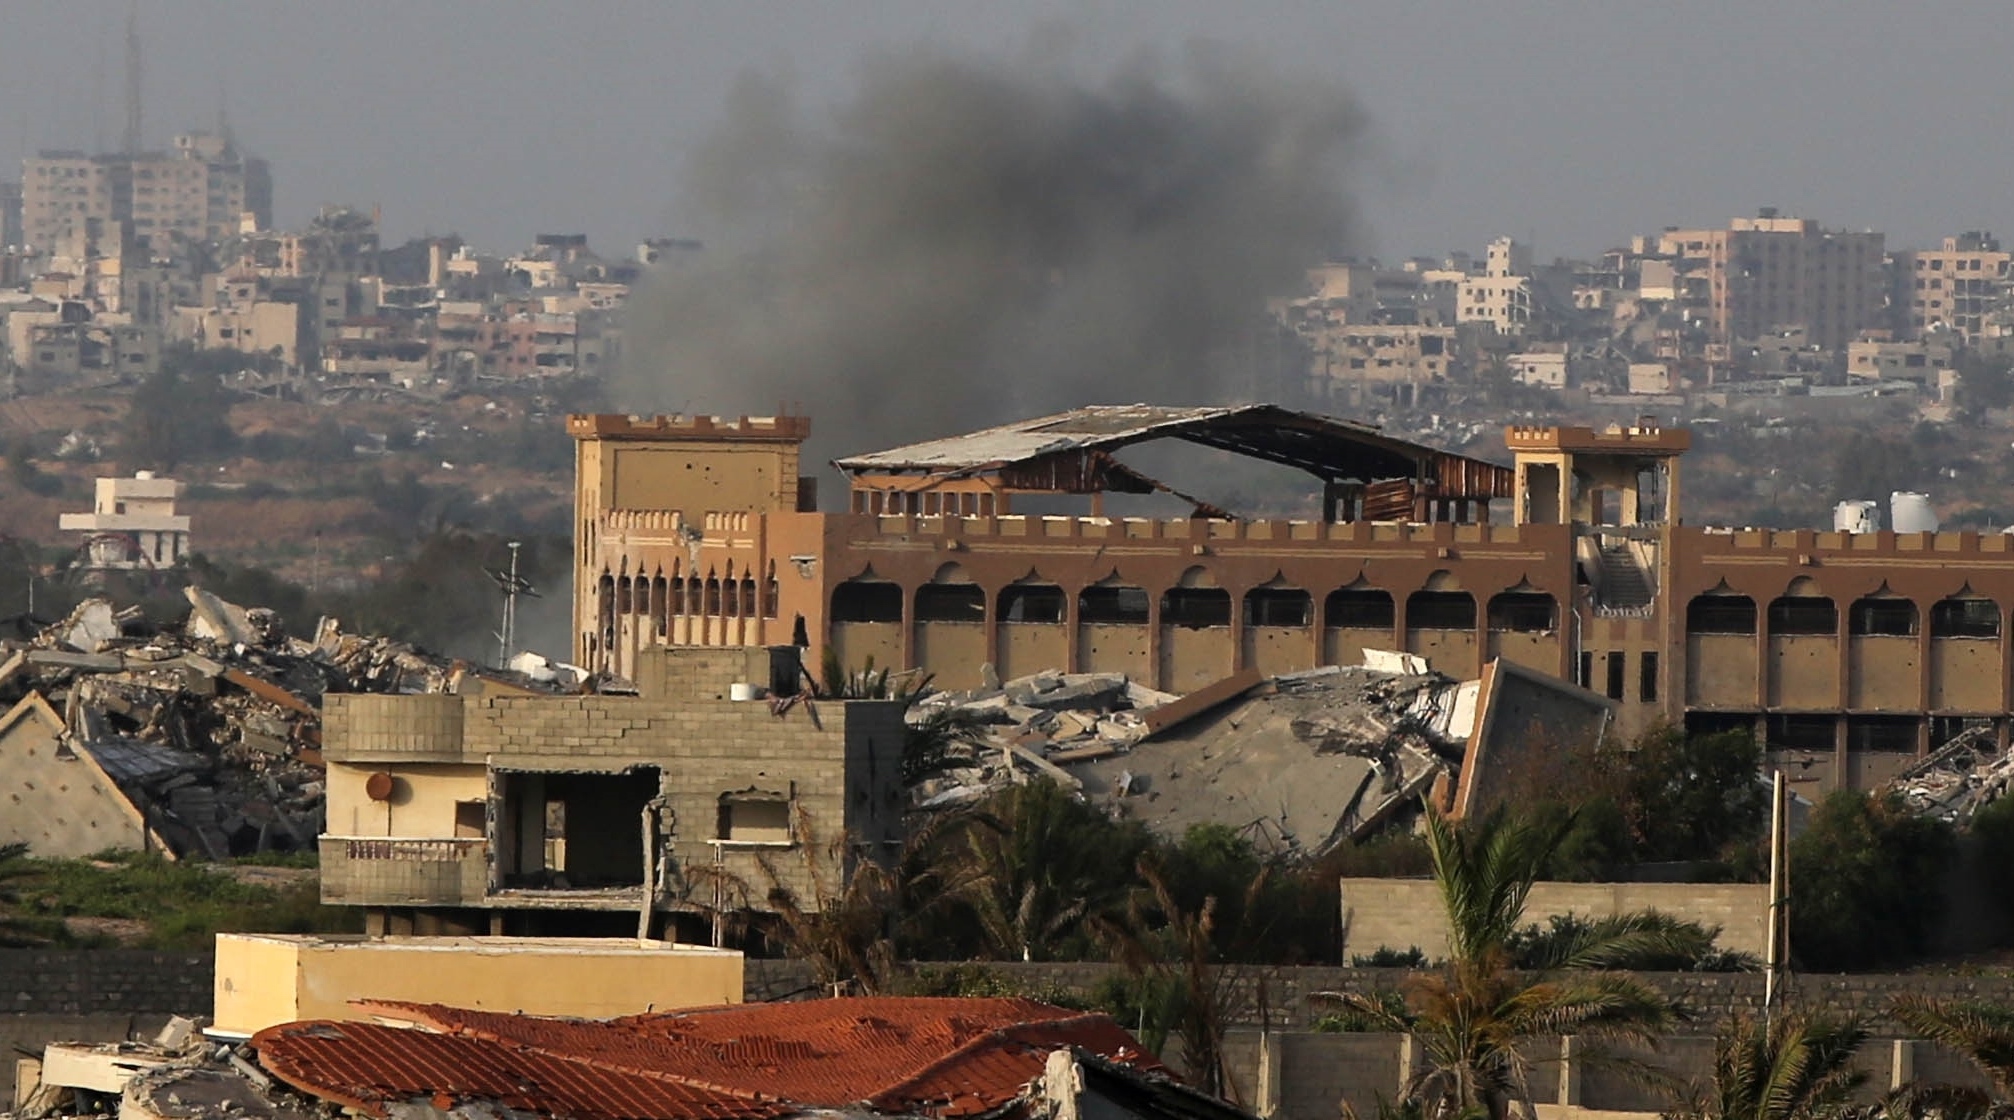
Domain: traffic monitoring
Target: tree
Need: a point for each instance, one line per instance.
(1052, 863)
(1866, 883)
(1476, 1019)
(1692, 796)
(176, 417)
(1796, 1066)
(1186, 985)
(1869, 466)
(1985, 383)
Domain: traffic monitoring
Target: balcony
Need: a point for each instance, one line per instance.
(404, 871)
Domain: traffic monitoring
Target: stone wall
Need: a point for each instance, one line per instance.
(1407, 913)
(1712, 997)
(101, 995)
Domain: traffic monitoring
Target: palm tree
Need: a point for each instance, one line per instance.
(1983, 1034)
(1476, 1019)
(1795, 1066)
(847, 929)
(1049, 864)
(1188, 987)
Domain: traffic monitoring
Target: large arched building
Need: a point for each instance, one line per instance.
(1850, 654)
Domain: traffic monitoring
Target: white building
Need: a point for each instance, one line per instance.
(133, 524)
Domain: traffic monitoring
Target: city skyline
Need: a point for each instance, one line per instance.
(1568, 130)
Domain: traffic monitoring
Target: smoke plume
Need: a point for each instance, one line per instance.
(968, 240)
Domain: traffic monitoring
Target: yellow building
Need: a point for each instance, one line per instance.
(264, 979)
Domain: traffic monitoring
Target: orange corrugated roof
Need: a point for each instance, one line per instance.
(941, 1057)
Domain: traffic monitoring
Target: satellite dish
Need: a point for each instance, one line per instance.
(378, 787)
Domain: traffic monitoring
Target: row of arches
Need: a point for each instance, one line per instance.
(661, 598)
(1518, 610)
(1878, 615)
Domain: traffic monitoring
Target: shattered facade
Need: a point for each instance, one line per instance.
(520, 814)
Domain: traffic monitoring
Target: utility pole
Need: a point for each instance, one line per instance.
(513, 585)
(1779, 885)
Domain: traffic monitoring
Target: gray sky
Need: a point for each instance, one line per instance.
(1571, 124)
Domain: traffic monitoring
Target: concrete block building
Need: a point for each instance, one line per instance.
(525, 815)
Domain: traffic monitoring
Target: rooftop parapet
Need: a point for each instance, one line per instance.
(608, 425)
(1636, 439)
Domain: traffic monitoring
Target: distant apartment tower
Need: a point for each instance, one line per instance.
(1767, 272)
(200, 189)
(1952, 288)
(10, 215)
(1502, 295)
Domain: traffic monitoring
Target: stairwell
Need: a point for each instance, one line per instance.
(1623, 582)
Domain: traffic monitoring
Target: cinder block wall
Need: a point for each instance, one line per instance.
(1407, 913)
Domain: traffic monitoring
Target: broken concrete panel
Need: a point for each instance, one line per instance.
(1202, 700)
(91, 627)
(213, 620)
(1527, 724)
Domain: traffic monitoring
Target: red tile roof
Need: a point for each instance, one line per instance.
(940, 1057)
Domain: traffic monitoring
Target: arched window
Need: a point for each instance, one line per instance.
(950, 602)
(1113, 604)
(1965, 617)
(1279, 606)
(1720, 614)
(1441, 610)
(1803, 614)
(1524, 612)
(1354, 608)
(867, 600)
(1196, 607)
(1031, 602)
(1882, 615)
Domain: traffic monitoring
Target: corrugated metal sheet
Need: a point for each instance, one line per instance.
(1069, 452)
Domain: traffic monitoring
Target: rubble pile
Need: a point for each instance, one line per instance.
(177, 1075)
(213, 730)
(1955, 781)
(1039, 722)
(1307, 760)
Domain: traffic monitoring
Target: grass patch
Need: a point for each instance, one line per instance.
(184, 905)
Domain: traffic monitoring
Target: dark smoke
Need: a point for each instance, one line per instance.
(967, 241)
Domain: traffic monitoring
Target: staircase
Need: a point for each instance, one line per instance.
(1623, 583)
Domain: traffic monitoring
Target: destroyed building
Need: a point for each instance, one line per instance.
(1849, 654)
(201, 739)
(602, 813)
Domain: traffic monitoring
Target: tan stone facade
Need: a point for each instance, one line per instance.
(1849, 654)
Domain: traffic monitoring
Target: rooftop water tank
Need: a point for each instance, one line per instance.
(1910, 512)
(1856, 515)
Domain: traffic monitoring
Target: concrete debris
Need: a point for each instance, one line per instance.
(1955, 781)
(1300, 763)
(179, 1075)
(212, 730)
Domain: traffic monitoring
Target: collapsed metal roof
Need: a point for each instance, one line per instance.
(1070, 451)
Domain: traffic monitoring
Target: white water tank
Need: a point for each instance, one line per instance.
(1856, 515)
(1910, 512)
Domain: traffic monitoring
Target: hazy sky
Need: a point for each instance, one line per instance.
(1570, 124)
